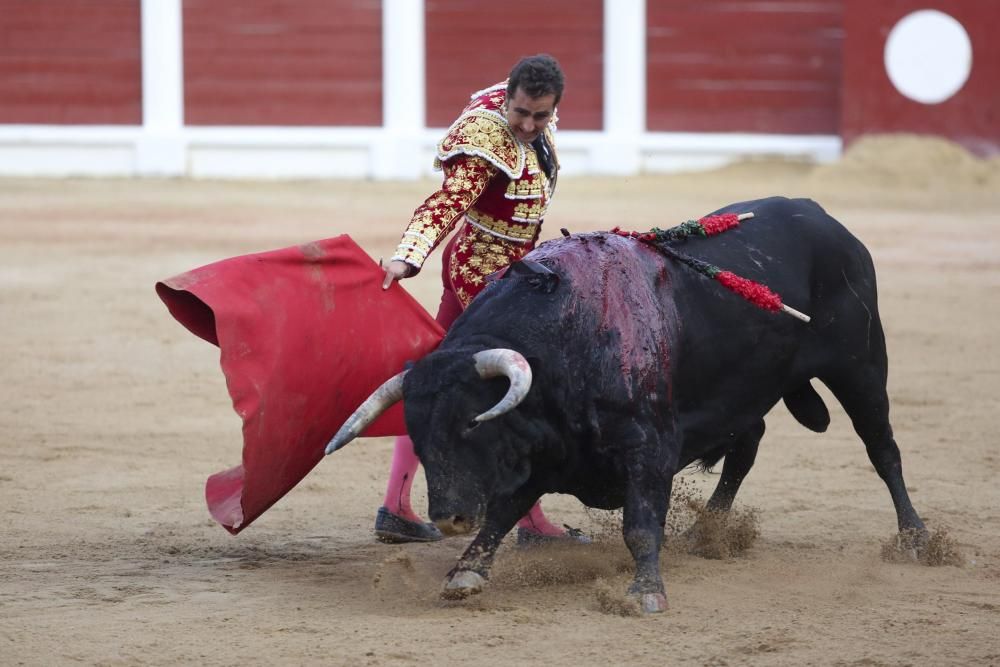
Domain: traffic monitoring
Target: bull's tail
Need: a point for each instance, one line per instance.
(808, 407)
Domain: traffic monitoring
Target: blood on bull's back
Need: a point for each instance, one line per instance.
(620, 306)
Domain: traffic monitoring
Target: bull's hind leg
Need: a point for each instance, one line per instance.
(862, 393)
(735, 468)
(738, 462)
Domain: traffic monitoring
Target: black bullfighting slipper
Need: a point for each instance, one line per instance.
(529, 538)
(395, 529)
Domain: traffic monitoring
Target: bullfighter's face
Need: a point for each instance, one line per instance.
(528, 116)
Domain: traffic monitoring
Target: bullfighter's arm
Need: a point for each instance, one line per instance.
(465, 179)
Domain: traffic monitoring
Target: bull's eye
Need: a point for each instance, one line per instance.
(470, 426)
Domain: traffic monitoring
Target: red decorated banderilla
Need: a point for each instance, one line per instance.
(756, 293)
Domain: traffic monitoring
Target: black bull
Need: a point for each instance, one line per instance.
(640, 366)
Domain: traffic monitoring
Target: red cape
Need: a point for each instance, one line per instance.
(305, 334)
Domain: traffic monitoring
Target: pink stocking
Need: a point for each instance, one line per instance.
(536, 522)
(404, 467)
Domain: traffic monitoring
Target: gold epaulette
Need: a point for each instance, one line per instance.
(483, 133)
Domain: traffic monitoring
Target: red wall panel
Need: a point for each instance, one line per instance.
(744, 66)
(283, 62)
(70, 62)
(872, 104)
(472, 45)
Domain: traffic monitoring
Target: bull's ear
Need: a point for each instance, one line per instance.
(546, 283)
(538, 275)
(526, 267)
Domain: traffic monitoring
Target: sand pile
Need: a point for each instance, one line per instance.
(908, 161)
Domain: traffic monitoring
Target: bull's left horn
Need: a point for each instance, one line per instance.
(500, 361)
(383, 398)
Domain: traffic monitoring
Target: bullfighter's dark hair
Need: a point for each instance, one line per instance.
(537, 76)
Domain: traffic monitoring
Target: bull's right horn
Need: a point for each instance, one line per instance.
(383, 398)
(501, 361)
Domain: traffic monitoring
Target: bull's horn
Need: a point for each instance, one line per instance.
(383, 398)
(499, 361)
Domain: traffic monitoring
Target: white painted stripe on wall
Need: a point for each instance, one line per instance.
(403, 65)
(346, 152)
(666, 152)
(160, 150)
(397, 155)
(162, 65)
(67, 150)
(625, 67)
(624, 85)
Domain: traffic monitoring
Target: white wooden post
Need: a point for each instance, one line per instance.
(161, 149)
(624, 88)
(398, 155)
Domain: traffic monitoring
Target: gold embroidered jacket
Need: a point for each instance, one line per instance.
(493, 185)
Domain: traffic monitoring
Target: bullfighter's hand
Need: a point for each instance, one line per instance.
(396, 270)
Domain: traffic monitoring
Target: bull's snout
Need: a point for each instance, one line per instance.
(456, 524)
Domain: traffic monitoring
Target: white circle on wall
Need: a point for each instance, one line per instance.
(928, 56)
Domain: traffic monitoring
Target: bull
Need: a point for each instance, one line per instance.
(599, 367)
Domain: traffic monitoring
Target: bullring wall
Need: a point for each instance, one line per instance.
(363, 88)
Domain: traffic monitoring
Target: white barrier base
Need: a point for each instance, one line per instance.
(360, 152)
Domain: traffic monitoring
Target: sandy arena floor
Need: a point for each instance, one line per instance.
(113, 416)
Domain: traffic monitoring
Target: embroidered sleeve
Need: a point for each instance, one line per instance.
(465, 178)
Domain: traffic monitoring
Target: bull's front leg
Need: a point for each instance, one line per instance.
(472, 570)
(645, 514)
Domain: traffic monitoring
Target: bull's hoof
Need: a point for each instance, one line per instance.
(909, 545)
(462, 584)
(652, 603)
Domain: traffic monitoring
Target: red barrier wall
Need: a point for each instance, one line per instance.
(70, 62)
(282, 62)
(744, 66)
(472, 45)
(872, 104)
(781, 66)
